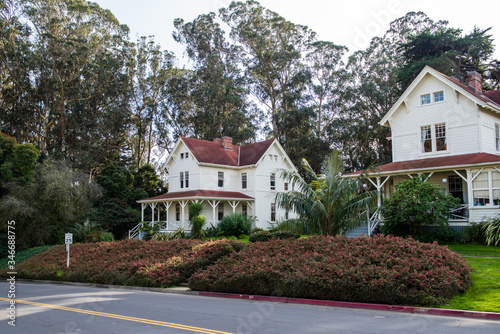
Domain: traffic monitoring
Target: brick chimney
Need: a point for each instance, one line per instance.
(227, 143)
(475, 81)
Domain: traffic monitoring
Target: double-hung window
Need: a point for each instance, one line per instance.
(184, 179)
(438, 96)
(273, 181)
(433, 138)
(273, 212)
(497, 136)
(426, 99)
(244, 180)
(221, 211)
(221, 180)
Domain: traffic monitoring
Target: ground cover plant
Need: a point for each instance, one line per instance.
(129, 262)
(103, 262)
(383, 269)
(484, 294)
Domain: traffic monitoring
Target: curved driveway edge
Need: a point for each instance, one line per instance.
(378, 307)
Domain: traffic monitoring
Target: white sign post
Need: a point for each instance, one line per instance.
(68, 240)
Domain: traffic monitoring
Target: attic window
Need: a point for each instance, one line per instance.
(182, 155)
(187, 155)
(426, 99)
(438, 96)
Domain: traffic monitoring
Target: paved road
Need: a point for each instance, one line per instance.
(46, 308)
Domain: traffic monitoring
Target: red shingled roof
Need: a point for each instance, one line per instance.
(485, 96)
(199, 194)
(214, 153)
(494, 95)
(455, 160)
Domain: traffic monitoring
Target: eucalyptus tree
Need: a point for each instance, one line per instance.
(371, 91)
(273, 57)
(217, 85)
(150, 70)
(329, 204)
(67, 66)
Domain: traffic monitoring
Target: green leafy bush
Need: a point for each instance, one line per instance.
(416, 203)
(261, 236)
(474, 233)
(23, 255)
(382, 269)
(235, 224)
(265, 235)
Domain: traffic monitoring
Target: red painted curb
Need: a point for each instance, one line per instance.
(379, 307)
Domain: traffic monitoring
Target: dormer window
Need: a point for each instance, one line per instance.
(438, 96)
(426, 99)
(187, 155)
(182, 155)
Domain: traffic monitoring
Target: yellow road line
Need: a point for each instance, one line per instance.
(122, 317)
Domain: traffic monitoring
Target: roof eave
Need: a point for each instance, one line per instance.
(428, 169)
(142, 201)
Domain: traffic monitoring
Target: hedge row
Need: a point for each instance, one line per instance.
(382, 269)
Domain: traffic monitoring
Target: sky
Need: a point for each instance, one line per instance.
(351, 23)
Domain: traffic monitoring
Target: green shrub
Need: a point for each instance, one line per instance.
(441, 234)
(106, 236)
(24, 255)
(235, 224)
(416, 203)
(474, 233)
(213, 231)
(260, 236)
(266, 235)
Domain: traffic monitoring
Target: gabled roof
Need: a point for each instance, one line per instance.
(214, 153)
(198, 194)
(429, 164)
(483, 99)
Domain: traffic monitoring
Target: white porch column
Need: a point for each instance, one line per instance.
(142, 211)
(469, 188)
(153, 206)
(183, 205)
(250, 205)
(167, 207)
(234, 204)
(214, 205)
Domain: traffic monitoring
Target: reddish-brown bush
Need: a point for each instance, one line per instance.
(382, 269)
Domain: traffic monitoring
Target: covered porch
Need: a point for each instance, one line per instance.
(170, 210)
(475, 181)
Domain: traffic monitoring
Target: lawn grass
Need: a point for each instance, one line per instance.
(484, 295)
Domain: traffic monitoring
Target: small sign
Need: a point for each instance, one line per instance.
(68, 238)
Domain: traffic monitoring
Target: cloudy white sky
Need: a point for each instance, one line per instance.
(351, 23)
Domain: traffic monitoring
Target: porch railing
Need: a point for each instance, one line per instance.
(459, 213)
(373, 221)
(134, 232)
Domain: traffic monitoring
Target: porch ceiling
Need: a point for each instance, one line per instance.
(198, 195)
(434, 164)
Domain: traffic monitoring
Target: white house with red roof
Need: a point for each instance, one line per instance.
(226, 178)
(451, 133)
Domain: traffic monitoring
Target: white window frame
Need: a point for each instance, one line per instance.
(489, 189)
(186, 179)
(273, 212)
(181, 179)
(433, 138)
(497, 137)
(220, 179)
(272, 181)
(434, 96)
(422, 99)
(244, 180)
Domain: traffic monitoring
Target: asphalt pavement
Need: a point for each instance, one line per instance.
(55, 308)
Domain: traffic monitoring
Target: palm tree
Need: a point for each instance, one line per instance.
(330, 204)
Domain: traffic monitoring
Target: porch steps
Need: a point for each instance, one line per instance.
(357, 232)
